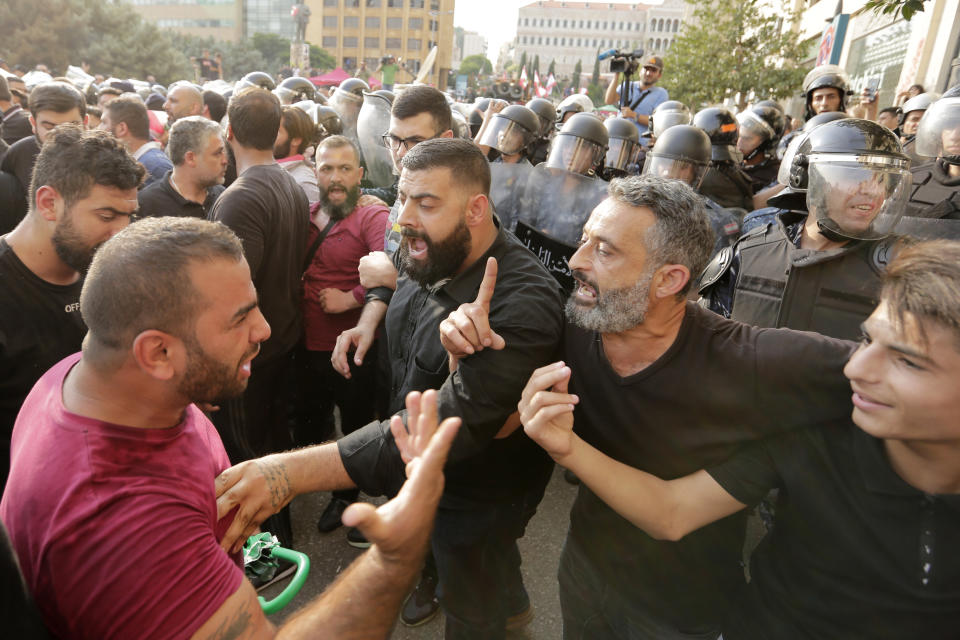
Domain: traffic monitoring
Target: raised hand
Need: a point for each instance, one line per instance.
(467, 329)
(546, 409)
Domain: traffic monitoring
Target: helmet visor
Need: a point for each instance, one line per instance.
(675, 169)
(574, 154)
(665, 120)
(938, 135)
(858, 197)
(506, 136)
(621, 154)
(754, 131)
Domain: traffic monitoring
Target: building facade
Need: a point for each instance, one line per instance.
(219, 19)
(468, 44)
(565, 32)
(355, 31)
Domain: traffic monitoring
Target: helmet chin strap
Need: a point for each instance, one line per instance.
(830, 234)
(752, 154)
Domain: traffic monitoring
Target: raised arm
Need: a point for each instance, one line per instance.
(665, 509)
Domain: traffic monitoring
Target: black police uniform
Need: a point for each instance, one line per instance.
(936, 194)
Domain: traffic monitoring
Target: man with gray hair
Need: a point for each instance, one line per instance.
(198, 152)
(660, 385)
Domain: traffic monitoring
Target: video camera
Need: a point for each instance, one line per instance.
(622, 62)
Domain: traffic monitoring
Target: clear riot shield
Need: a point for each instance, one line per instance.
(507, 185)
(372, 123)
(554, 208)
(347, 105)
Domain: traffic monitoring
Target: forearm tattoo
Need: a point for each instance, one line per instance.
(278, 483)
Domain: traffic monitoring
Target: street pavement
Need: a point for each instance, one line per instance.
(540, 549)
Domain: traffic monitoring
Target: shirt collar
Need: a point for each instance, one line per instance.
(144, 148)
(294, 158)
(12, 110)
(463, 286)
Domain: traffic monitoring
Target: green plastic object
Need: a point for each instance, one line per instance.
(261, 553)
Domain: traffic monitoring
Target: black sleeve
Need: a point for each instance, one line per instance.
(239, 212)
(372, 459)
(749, 474)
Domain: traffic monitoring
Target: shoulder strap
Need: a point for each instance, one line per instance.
(643, 94)
(312, 251)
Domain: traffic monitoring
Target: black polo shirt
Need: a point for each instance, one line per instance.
(527, 310)
(855, 551)
(20, 159)
(161, 199)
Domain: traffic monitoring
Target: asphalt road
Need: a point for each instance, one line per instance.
(540, 548)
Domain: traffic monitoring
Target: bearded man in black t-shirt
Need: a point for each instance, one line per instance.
(83, 192)
(661, 385)
(270, 213)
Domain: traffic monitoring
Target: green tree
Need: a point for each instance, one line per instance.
(552, 68)
(744, 50)
(477, 64)
(577, 70)
(239, 58)
(523, 60)
(321, 59)
(595, 76)
(906, 7)
(536, 64)
(274, 48)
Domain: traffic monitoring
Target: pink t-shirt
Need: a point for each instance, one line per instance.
(116, 527)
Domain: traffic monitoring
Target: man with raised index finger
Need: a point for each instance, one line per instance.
(496, 476)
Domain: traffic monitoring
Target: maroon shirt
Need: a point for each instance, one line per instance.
(335, 265)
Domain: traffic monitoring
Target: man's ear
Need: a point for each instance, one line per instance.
(46, 202)
(446, 134)
(669, 281)
(158, 354)
(478, 207)
(33, 124)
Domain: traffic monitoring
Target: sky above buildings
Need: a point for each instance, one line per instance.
(496, 20)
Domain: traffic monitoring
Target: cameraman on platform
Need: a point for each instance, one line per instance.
(642, 96)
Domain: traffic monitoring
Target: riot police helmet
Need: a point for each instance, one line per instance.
(823, 118)
(668, 114)
(511, 130)
(722, 128)
(546, 112)
(771, 103)
(623, 143)
(256, 79)
(760, 130)
(580, 145)
(826, 76)
(352, 87)
(577, 103)
(476, 116)
(938, 135)
(329, 119)
(855, 176)
(682, 153)
(913, 110)
(295, 89)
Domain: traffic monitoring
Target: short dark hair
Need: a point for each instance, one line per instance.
(138, 279)
(58, 97)
(109, 91)
(463, 158)
(216, 105)
(337, 142)
(681, 233)
(255, 118)
(94, 111)
(423, 99)
(298, 125)
(923, 280)
(5, 94)
(190, 134)
(131, 111)
(892, 110)
(72, 160)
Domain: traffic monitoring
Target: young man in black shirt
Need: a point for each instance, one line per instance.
(662, 385)
(270, 213)
(495, 476)
(869, 513)
(198, 152)
(84, 191)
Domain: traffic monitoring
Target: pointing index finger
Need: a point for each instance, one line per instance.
(485, 294)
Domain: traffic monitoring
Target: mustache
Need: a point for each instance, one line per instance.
(412, 233)
(582, 277)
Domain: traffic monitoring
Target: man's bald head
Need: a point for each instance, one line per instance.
(182, 101)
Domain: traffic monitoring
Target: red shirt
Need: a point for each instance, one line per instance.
(335, 265)
(116, 527)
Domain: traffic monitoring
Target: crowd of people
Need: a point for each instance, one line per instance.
(216, 298)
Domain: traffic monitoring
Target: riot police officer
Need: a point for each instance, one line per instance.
(346, 101)
(760, 130)
(825, 89)
(683, 153)
(936, 185)
(820, 270)
(910, 115)
(577, 103)
(666, 115)
(294, 89)
(256, 79)
(623, 149)
(509, 132)
(725, 182)
(546, 113)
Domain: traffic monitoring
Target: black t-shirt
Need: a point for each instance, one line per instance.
(13, 202)
(269, 211)
(20, 159)
(16, 125)
(161, 199)
(40, 325)
(720, 384)
(855, 551)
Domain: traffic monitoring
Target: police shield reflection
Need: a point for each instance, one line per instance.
(508, 182)
(372, 122)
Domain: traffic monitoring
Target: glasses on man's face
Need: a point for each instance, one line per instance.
(394, 143)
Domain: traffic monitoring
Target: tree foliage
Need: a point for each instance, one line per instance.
(552, 68)
(905, 7)
(477, 64)
(523, 60)
(536, 64)
(733, 47)
(577, 70)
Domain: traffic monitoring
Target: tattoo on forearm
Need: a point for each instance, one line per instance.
(275, 473)
(233, 628)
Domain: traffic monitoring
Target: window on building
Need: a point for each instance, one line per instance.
(605, 25)
(676, 25)
(392, 44)
(653, 25)
(660, 25)
(595, 45)
(349, 63)
(351, 22)
(329, 42)
(372, 22)
(434, 6)
(371, 43)
(330, 3)
(416, 4)
(395, 4)
(394, 23)
(579, 42)
(415, 23)
(434, 25)
(581, 24)
(658, 44)
(373, 3)
(351, 3)
(413, 44)
(330, 22)
(564, 24)
(650, 44)
(350, 42)
(563, 42)
(541, 22)
(629, 26)
(549, 23)
(540, 40)
(588, 24)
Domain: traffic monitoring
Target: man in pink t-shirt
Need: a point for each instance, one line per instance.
(332, 302)
(110, 504)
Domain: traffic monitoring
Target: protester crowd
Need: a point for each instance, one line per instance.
(216, 298)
